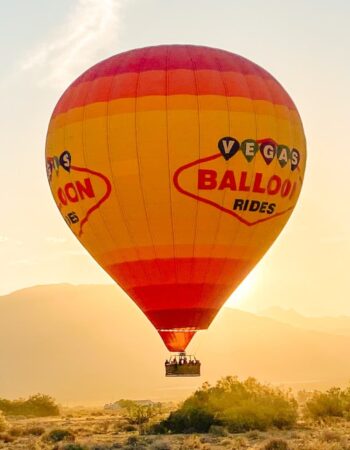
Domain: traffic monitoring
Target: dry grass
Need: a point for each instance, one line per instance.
(99, 430)
(3, 423)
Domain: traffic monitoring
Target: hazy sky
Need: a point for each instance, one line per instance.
(304, 44)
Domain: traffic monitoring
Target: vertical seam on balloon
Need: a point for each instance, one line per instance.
(274, 163)
(199, 152)
(116, 189)
(85, 245)
(252, 232)
(290, 126)
(82, 144)
(142, 58)
(210, 259)
(93, 82)
(168, 154)
(236, 235)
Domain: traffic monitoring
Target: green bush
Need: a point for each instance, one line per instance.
(240, 406)
(38, 405)
(333, 403)
(276, 444)
(74, 447)
(159, 428)
(137, 414)
(129, 428)
(58, 435)
(189, 420)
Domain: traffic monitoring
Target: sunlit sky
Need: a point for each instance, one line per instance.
(304, 44)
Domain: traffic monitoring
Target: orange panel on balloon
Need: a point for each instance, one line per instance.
(176, 167)
(177, 341)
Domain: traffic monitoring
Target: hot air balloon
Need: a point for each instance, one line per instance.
(176, 167)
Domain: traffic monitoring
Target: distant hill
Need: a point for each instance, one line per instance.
(92, 345)
(335, 325)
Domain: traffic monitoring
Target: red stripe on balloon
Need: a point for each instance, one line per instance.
(179, 271)
(180, 296)
(155, 84)
(154, 71)
(180, 292)
(171, 57)
(196, 318)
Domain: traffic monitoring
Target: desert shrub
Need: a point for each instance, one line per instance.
(239, 406)
(102, 427)
(333, 403)
(189, 420)
(276, 444)
(58, 435)
(38, 405)
(132, 440)
(97, 413)
(3, 423)
(331, 436)
(126, 404)
(159, 428)
(74, 447)
(217, 430)
(129, 428)
(34, 431)
(6, 437)
(16, 431)
(139, 414)
(135, 443)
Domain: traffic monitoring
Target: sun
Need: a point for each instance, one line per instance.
(245, 292)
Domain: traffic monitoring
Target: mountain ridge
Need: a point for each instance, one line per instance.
(90, 344)
(333, 324)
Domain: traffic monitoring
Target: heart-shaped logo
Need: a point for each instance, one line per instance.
(65, 160)
(268, 150)
(283, 155)
(228, 147)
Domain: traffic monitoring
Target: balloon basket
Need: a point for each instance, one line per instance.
(182, 365)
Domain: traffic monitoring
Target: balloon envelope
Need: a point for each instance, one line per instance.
(176, 167)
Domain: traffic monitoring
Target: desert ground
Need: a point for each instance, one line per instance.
(97, 429)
